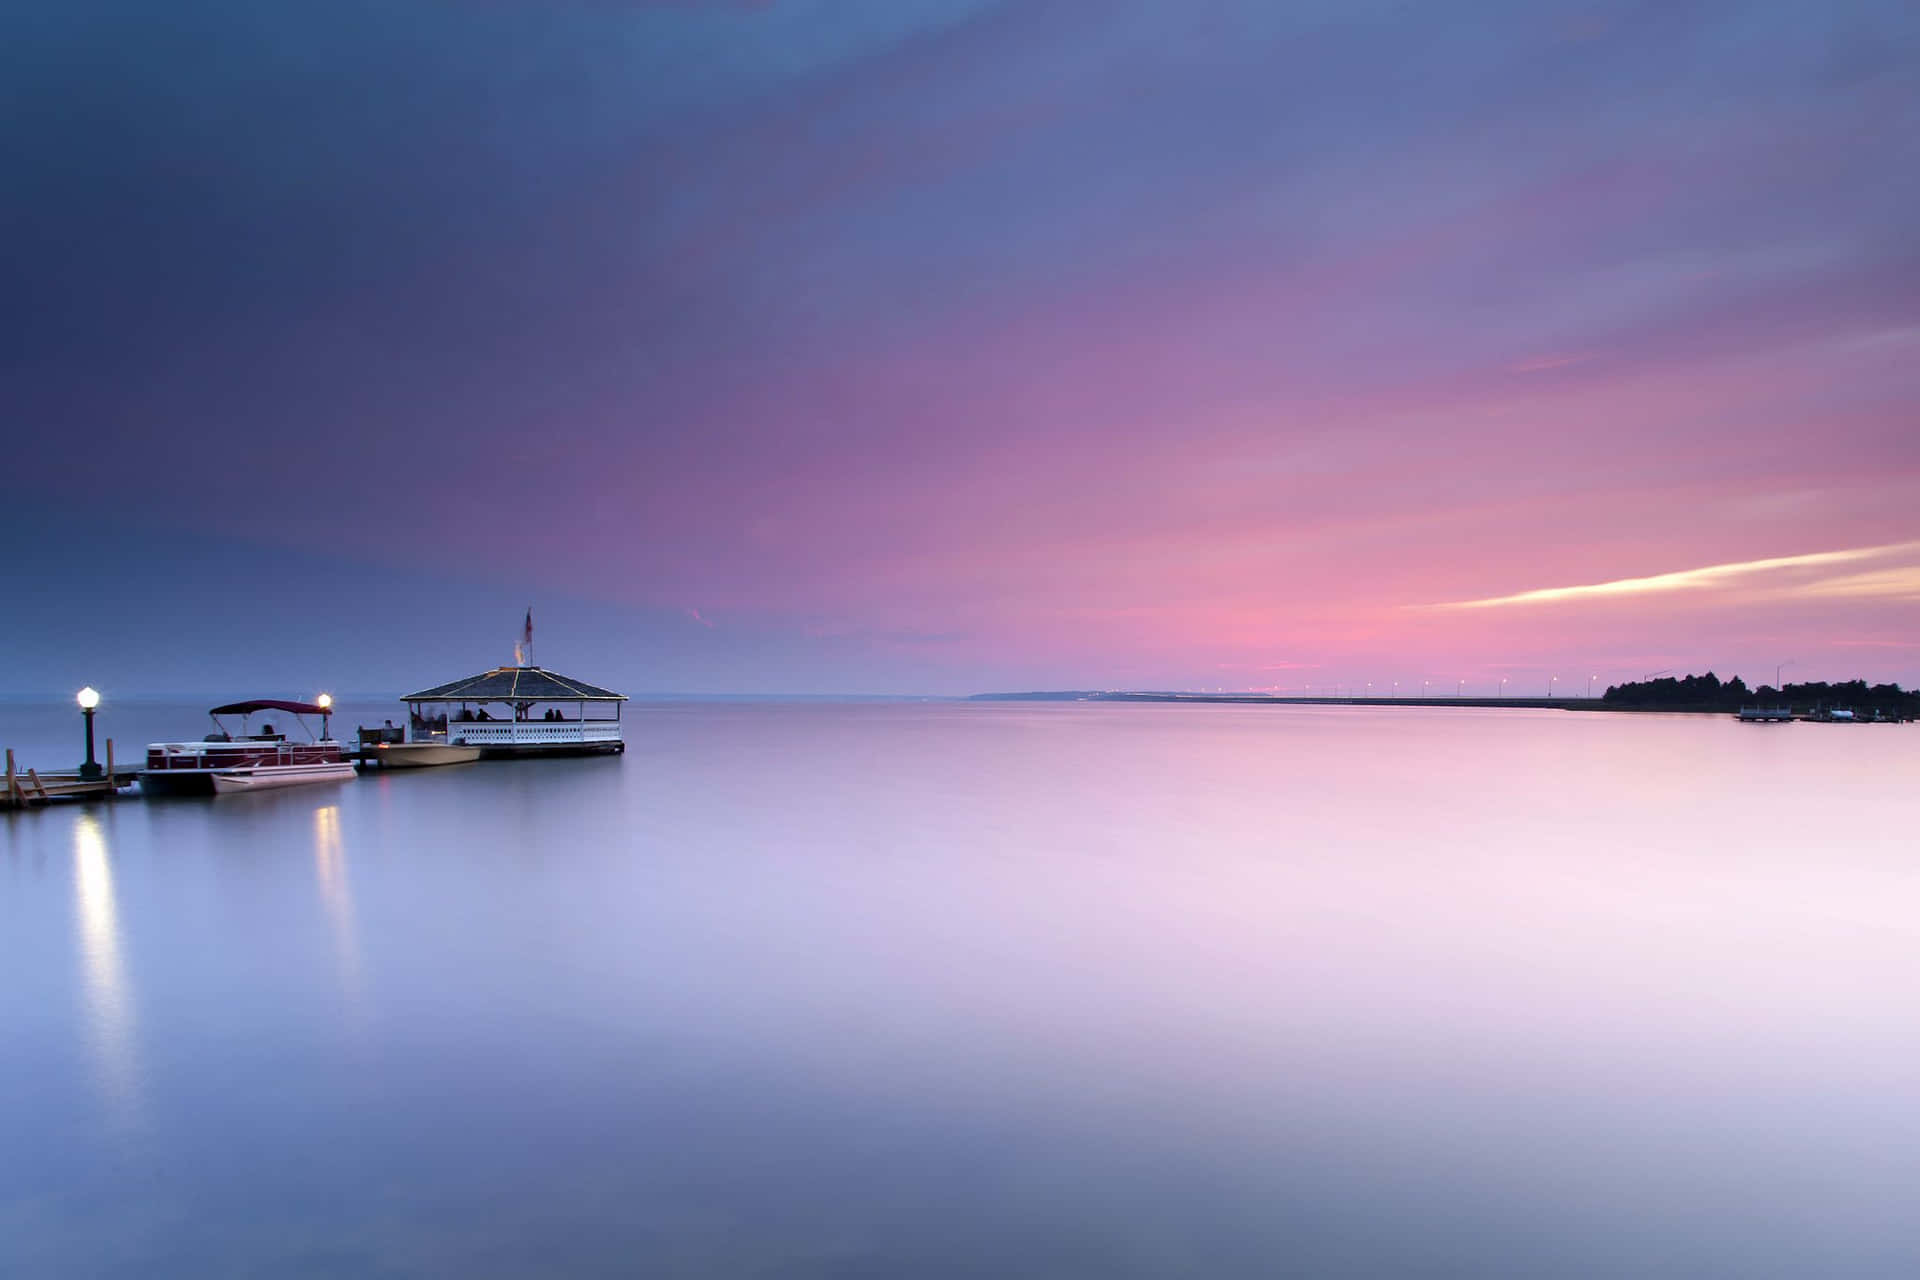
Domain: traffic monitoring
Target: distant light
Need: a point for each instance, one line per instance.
(324, 701)
(88, 698)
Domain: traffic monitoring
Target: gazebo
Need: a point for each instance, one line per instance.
(515, 711)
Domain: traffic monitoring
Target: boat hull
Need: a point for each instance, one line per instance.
(420, 755)
(270, 777)
(176, 782)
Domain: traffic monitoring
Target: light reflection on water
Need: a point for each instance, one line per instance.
(109, 1001)
(336, 896)
(967, 990)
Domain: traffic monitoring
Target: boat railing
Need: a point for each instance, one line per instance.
(222, 755)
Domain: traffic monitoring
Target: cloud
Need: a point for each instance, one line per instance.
(1898, 582)
(695, 615)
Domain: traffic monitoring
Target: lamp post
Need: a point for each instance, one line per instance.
(89, 698)
(1503, 686)
(325, 703)
(1550, 680)
(1460, 688)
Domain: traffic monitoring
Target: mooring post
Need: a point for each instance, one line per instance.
(113, 779)
(11, 798)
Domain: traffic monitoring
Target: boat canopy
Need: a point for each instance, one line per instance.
(270, 704)
(516, 684)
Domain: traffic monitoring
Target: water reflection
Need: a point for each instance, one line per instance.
(109, 1000)
(991, 990)
(336, 897)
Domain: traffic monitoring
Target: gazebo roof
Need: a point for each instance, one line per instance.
(516, 684)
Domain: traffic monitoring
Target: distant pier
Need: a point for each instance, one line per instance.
(1783, 715)
(1353, 700)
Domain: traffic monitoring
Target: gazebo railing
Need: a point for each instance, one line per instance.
(485, 733)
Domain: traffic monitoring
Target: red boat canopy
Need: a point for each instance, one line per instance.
(270, 704)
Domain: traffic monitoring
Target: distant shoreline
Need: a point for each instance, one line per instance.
(1312, 700)
(1307, 700)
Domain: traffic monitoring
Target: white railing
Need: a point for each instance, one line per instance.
(492, 733)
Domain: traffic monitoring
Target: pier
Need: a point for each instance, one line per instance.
(29, 786)
(1359, 700)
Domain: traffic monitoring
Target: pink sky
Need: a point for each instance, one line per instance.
(953, 346)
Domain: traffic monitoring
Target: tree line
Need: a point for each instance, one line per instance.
(1710, 693)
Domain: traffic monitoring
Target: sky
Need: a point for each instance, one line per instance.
(943, 346)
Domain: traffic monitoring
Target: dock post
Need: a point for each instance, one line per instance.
(113, 779)
(12, 790)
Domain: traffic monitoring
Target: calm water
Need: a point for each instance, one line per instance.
(943, 990)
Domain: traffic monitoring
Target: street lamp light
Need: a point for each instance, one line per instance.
(89, 698)
(325, 703)
(1550, 680)
(1503, 686)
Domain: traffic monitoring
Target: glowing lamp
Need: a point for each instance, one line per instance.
(89, 698)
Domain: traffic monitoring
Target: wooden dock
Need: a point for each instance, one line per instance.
(27, 787)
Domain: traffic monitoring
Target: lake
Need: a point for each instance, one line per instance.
(901, 990)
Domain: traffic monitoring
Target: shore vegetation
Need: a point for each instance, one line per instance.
(1710, 693)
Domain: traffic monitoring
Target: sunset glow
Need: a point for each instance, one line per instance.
(950, 345)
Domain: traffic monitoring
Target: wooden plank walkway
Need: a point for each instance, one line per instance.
(26, 787)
